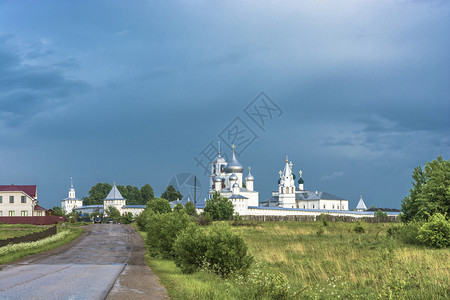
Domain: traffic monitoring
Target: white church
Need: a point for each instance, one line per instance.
(227, 179)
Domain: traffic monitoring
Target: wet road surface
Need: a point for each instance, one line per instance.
(107, 261)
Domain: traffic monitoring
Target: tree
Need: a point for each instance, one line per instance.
(178, 207)
(430, 193)
(171, 194)
(159, 205)
(219, 207)
(58, 211)
(97, 194)
(112, 213)
(147, 193)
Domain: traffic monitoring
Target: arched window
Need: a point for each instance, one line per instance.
(287, 190)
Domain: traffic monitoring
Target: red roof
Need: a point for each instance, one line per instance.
(37, 207)
(30, 190)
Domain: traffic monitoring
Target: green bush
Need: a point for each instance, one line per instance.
(381, 215)
(217, 249)
(190, 248)
(190, 208)
(159, 205)
(162, 230)
(435, 232)
(406, 232)
(359, 227)
(204, 219)
(219, 207)
(143, 218)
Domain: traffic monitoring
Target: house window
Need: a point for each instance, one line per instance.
(11, 213)
(333, 206)
(24, 213)
(324, 206)
(304, 206)
(1, 199)
(23, 199)
(11, 199)
(314, 206)
(1, 213)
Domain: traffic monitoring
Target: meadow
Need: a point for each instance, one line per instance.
(320, 260)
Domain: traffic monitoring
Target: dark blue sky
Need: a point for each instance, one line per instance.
(110, 91)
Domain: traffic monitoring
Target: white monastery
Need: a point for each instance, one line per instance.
(114, 198)
(226, 178)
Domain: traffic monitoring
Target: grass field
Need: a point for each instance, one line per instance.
(15, 230)
(13, 252)
(322, 262)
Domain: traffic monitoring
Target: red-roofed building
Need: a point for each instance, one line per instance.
(19, 200)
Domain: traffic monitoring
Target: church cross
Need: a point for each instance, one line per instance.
(233, 147)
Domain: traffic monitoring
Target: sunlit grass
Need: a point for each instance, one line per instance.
(339, 263)
(13, 252)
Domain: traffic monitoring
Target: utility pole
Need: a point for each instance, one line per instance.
(195, 191)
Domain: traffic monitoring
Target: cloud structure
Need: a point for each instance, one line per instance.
(356, 93)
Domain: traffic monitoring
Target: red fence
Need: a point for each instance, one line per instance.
(44, 220)
(30, 237)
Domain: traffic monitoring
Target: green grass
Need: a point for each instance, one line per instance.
(16, 230)
(14, 252)
(337, 263)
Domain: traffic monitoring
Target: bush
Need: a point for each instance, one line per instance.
(159, 205)
(190, 248)
(406, 232)
(178, 207)
(190, 208)
(219, 207)
(143, 218)
(127, 218)
(359, 227)
(323, 217)
(381, 215)
(435, 232)
(204, 219)
(218, 249)
(162, 230)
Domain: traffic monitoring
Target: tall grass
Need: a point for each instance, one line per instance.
(338, 263)
(16, 230)
(13, 252)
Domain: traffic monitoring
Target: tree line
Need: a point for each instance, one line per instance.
(134, 195)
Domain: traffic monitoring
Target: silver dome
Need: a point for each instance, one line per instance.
(233, 177)
(234, 166)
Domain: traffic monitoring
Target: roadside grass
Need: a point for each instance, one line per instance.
(14, 252)
(15, 230)
(323, 262)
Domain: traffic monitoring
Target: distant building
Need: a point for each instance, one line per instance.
(361, 205)
(289, 196)
(226, 178)
(114, 199)
(19, 200)
(71, 202)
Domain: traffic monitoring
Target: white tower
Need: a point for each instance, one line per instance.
(218, 172)
(249, 180)
(71, 201)
(361, 205)
(301, 181)
(286, 188)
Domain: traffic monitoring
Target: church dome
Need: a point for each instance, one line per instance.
(249, 177)
(219, 159)
(234, 166)
(217, 179)
(300, 181)
(236, 185)
(233, 177)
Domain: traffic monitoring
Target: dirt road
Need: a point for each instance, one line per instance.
(106, 262)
